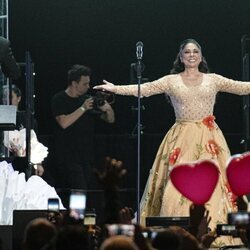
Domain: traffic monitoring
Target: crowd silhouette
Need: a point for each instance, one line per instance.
(118, 231)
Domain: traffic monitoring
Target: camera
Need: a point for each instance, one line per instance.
(77, 204)
(240, 218)
(99, 99)
(225, 229)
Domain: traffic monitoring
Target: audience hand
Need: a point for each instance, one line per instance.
(126, 215)
(207, 239)
(139, 239)
(112, 173)
(39, 170)
(203, 226)
(199, 221)
(196, 213)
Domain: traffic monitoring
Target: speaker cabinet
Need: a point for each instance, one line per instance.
(167, 221)
(20, 220)
(6, 237)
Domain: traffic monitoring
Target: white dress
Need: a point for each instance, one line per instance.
(18, 194)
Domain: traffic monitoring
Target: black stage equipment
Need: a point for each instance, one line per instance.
(139, 69)
(157, 221)
(29, 87)
(245, 50)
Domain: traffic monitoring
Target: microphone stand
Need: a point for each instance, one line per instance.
(29, 68)
(133, 79)
(246, 101)
(139, 69)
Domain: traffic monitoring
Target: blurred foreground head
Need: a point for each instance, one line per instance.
(119, 242)
(38, 233)
(72, 237)
(167, 239)
(188, 241)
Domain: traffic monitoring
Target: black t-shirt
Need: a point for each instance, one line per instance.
(76, 142)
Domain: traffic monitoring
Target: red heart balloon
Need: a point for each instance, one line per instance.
(238, 174)
(196, 181)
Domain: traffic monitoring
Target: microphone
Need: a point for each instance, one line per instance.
(139, 51)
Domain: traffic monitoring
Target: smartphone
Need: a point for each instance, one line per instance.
(53, 209)
(120, 229)
(225, 229)
(239, 218)
(77, 204)
(90, 218)
(150, 234)
(53, 205)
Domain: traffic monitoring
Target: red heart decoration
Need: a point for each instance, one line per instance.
(196, 181)
(238, 174)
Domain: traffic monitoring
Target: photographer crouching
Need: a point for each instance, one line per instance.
(75, 113)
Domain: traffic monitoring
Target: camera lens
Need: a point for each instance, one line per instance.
(99, 101)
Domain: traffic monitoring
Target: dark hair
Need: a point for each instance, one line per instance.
(178, 66)
(38, 233)
(169, 238)
(76, 71)
(72, 237)
(16, 90)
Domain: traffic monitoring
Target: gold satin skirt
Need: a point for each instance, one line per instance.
(189, 141)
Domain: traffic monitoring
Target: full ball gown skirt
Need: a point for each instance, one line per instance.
(194, 136)
(189, 141)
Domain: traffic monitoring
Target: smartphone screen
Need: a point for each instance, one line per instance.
(239, 218)
(89, 218)
(225, 229)
(53, 205)
(77, 204)
(119, 229)
(150, 234)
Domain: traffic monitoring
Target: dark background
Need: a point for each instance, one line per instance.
(102, 35)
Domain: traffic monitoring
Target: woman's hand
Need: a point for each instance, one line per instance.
(108, 86)
(39, 170)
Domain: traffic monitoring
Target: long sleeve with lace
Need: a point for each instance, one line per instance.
(189, 102)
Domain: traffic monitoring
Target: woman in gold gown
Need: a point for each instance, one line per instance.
(194, 136)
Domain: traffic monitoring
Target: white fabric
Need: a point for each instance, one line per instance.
(16, 141)
(18, 194)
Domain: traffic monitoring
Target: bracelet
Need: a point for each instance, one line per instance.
(82, 109)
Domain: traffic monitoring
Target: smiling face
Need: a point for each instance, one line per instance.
(191, 55)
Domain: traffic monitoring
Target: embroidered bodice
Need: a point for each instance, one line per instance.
(189, 102)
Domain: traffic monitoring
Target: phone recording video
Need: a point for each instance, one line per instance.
(53, 209)
(120, 229)
(240, 218)
(225, 229)
(90, 217)
(53, 205)
(150, 234)
(77, 204)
